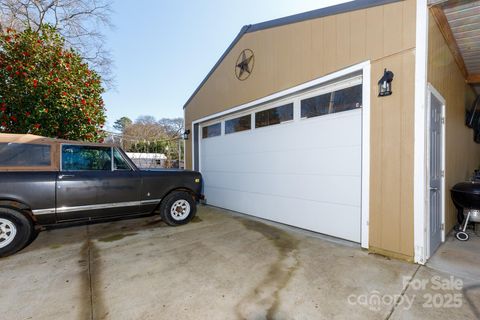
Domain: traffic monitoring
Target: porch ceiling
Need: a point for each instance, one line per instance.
(459, 21)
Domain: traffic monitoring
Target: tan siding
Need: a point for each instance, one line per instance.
(375, 31)
(290, 55)
(392, 17)
(462, 153)
(391, 181)
(343, 40)
(358, 34)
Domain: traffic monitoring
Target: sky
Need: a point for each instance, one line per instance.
(162, 49)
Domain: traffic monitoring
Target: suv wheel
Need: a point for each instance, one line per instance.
(15, 231)
(178, 208)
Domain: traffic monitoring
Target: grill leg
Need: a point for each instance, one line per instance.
(460, 216)
(466, 222)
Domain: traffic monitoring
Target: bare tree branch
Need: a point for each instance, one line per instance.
(79, 21)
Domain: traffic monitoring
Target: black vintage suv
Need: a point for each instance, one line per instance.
(45, 182)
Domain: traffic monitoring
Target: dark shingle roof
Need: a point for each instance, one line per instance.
(314, 14)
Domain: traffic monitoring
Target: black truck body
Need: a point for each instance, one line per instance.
(49, 182)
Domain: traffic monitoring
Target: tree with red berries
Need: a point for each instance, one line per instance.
(47, 89)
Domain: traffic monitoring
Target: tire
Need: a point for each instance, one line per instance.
(178, 208)
(33, 236)
(462, 236)
(16, 230)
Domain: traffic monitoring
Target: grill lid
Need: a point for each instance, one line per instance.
(472, 187)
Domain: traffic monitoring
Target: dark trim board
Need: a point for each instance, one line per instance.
(314, 14)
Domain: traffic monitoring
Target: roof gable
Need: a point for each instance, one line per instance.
(309, 15)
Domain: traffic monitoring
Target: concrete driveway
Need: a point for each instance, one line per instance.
(221, 266)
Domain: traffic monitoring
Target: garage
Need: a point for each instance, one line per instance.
(296, 160)
(279, 130)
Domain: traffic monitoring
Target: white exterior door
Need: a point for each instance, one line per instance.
(304, 172)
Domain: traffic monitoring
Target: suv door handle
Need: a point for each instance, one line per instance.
(434, 189)
(66, 176)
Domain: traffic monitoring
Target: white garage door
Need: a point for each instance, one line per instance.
(297, 161)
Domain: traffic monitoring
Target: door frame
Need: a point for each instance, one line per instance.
(432, 91)
(364, 68)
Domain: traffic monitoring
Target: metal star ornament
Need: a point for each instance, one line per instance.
(244, 65)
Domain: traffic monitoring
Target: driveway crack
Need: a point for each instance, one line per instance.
(400, 298)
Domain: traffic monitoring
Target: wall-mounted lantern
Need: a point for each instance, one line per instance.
(185, 134)
(385, 84)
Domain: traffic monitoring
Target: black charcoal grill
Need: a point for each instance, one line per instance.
(466, 197)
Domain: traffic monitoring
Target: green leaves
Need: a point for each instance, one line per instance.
(46, 89)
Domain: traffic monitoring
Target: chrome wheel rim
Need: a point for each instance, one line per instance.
(8, 230)
(180, 210)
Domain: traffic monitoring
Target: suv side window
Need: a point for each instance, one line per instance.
(119, 163)
(86, 158)
(24, 155)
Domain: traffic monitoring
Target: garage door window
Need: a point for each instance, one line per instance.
(347, 99)
(274, 116)
(238, 124)
(333, 102)
(212, 130)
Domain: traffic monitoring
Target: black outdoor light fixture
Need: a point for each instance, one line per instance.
(385, 84)
(185, 134)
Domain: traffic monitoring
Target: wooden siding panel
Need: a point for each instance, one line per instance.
(409, 28)
(391, 215)
(318, 40)
(462, 153)
(329, 43)
(264, 64)
(358, 35)
(375, 31)
(188, 146)
(343, 37)
(391, 161)
(293, 47)
(393, 33)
